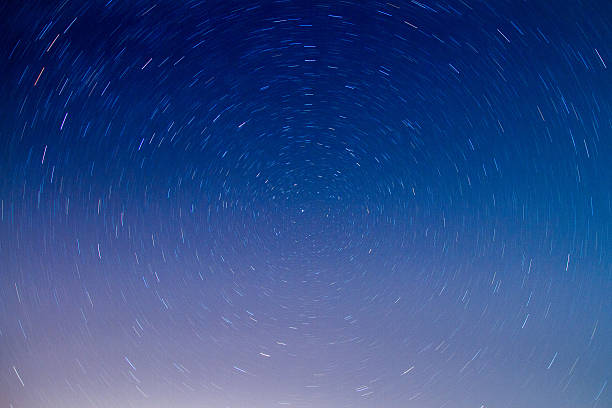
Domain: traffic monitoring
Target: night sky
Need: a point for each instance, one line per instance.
(322, 204)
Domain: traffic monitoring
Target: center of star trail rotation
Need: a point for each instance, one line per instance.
(306, 204)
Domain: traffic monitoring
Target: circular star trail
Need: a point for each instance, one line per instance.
(305, 204)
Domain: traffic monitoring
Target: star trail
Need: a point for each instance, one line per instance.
(305, 204)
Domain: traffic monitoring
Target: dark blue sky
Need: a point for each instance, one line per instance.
(306, 204)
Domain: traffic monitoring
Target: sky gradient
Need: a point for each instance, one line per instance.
(306, 204)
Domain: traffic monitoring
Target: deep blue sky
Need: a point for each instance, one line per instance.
(306, 204)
